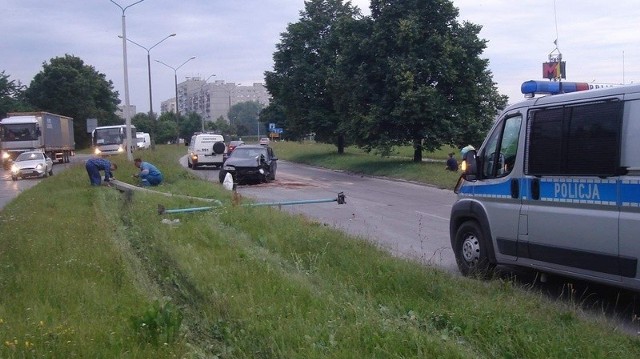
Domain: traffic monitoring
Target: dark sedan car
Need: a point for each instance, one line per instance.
(250, 163)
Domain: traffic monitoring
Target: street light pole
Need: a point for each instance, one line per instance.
(127, 114)
(175, 79)
(148, 50)
(203, 107)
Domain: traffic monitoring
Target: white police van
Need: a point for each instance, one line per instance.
(555, 187)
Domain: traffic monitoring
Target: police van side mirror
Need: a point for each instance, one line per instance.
(470, 166)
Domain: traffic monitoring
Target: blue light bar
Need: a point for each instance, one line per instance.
(533, 87)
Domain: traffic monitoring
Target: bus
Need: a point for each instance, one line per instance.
(112, 140)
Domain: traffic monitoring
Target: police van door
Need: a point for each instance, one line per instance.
(499, 184)
(573, 154)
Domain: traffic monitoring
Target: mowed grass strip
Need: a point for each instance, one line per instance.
(399, 164)
(79, 265)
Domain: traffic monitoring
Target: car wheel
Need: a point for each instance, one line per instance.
(14, 178)
(471, 251)
(51, 172)
(189, 164)
(45, 174)
(222, 175)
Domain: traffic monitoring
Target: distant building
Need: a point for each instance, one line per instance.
(168, 105)
(212, 100)
(120, 111)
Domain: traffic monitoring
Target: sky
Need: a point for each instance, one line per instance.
(235, 40)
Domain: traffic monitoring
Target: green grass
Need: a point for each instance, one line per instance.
(398, 165)
(89, 272)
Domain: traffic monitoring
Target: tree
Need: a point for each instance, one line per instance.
(244, 117)
(142, 122)
(166, 128)
(192, 123)
(68, 87)
(303, 68)
(274, 113)
(11, 96)
(222, 127)
(428, 85)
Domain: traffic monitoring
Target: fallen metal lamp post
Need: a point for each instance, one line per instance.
(340, 199)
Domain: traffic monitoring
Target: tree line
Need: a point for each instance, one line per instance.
(409, 73)
(69, 87)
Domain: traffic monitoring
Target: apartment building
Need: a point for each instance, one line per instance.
(212, 100)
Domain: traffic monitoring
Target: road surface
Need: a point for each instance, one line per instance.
(407, 219)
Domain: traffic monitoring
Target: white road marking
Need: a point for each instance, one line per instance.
(433, 215)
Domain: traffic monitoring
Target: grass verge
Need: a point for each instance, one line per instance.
(92, 272)
(398, 165)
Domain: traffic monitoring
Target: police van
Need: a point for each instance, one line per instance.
(555, 187)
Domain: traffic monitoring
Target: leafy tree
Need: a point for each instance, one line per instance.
(428, 85)
(221, 126)
(11, 96)
(142, 122)
(67, 86)
(190, 124)
(303, 68)
(274, 113)
(167, 128)
(244, 117)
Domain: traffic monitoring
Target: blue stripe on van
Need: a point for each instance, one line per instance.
(493, 190)
(630, 193)
(608, 192)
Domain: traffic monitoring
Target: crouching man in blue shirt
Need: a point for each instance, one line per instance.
(95, 165)
(149, 175)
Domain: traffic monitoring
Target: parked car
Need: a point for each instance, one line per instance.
(265, 141)
(250, 163)
(31, 164)
(232, 146)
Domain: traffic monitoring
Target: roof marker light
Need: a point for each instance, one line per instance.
(533, 87)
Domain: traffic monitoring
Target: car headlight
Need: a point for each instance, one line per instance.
(194, 157)
(228, 168)
(15, 169)
(5, 155)
(39, 166)
(120, 149)
(261, 171)
(97, 151)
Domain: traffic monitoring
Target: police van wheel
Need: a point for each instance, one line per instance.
(471, 251)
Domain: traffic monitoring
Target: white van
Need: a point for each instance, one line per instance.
(206, 149)
(143, 140)
(555, 187)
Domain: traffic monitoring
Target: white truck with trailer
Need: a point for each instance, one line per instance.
(43, 131)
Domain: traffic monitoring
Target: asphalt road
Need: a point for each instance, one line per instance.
(407, 219)
(10, 189)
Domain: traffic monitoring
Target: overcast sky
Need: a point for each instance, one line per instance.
(235, 40)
